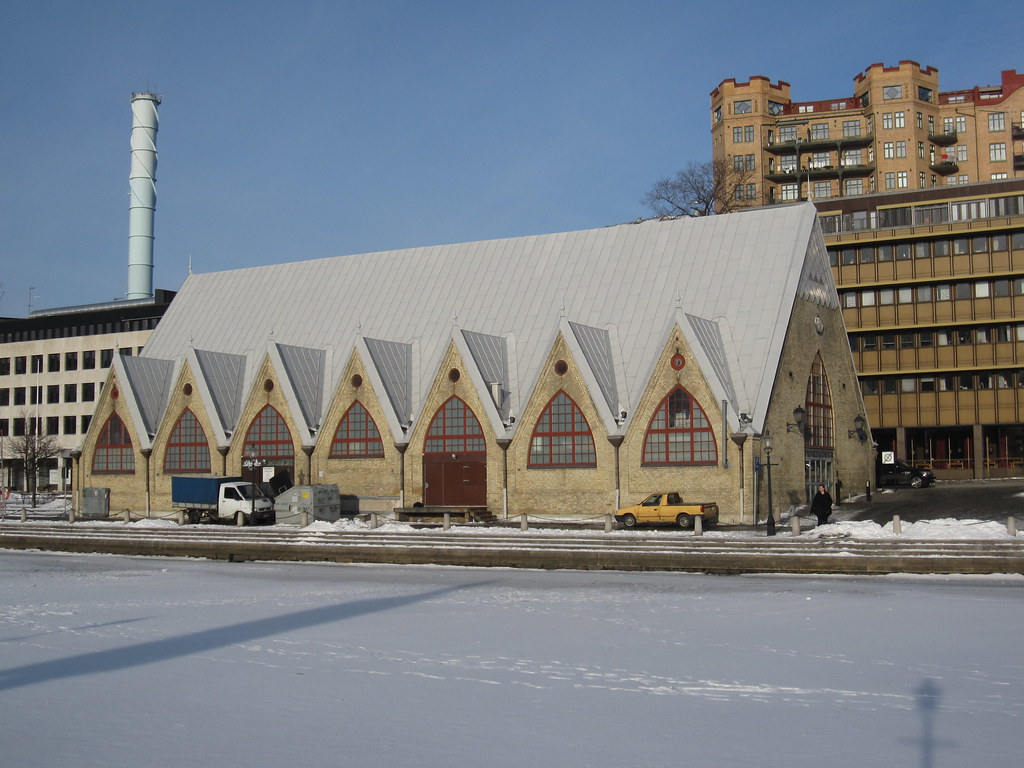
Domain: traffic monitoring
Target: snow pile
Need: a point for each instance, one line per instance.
(946, 528)
(154, 522)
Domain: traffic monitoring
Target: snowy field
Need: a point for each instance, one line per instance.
(113, 661)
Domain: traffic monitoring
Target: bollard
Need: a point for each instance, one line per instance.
(373, 520)
(71, 515)
(896, 527)
(239, 519)
(698, 525)
(24, 515)
(608, 523)
(795, 521)
(181, 517)
(127, 517)
(447, 521)
(1011, 526)
(523, 525)
(306, 522)
(867, 490)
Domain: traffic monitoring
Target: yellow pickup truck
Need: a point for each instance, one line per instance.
(662, 508)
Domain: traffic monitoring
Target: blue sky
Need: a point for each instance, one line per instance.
(300, 130)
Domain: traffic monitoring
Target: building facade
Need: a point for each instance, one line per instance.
(896, 132)
(53, 366)
(932, 288)
(562, 374)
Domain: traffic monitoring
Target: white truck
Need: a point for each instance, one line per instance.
(220, 499)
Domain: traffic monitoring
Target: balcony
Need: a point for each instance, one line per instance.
(945, 168)
(1017, 130)
(785, 175)
(1018, 162)
(943, 139)
(807, 144)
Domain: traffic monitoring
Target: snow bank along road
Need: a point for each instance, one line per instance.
(623, 551)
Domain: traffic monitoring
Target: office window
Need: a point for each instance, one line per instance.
(1001, 288)
(37, 363)
(851, 128)
(88, 392)
(5, 366)
(999, 243)
(869, 387)
(981, 290)
(982, 336)
(886, 296)
(787, 163)
(70, 422)
(961, 153)
(901, 149)
(960, 246)
(855, 186)
(823, 189)
(849, 300)
(887, 120)
(867, 298)
(903, 252)
(89, 359)
(19, 396)
(921, 251)
(52, 393)
(907, 340)
(85, 421)
(926, 338)
(53, 362)
(905, 295)
(819, 131)
(888, 386)
(742, 107)
(790, 192)
(52, 425)
(902, 179)
(997, 121)
(787, 133)
(106, 357)
(70, 393)
(748, 133)
(924, 293)
(890, 180)
(20, 365)
(900, 119)
(997, 151)
(849, 256)
(962, 290)
(870, 342)
(889, 150)
(927, 383)
(70, 361)
(908, 385)
(943, 292)
(5, 396)
(852, 157)
(866, 254)
(36, 395)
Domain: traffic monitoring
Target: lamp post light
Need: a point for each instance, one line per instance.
(740, 438)
(770, 522)
(799, 416)
(252, 463)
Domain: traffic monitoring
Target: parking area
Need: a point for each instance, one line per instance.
(963, 500)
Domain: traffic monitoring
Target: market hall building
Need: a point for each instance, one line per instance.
(560, 374)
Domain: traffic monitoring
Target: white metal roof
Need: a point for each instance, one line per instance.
(738, 273)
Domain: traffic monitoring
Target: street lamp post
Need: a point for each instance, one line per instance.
(252, 463)
(740, 438)
(770, 522)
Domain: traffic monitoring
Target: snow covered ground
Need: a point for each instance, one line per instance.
(113, 661)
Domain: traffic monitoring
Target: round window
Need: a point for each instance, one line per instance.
(678, 361)
(561, 367)
(454, 375)
(357, 381)
(268, 386)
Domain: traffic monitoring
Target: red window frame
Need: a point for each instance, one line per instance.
(820, 428)
(357, 436)
(562, 436)
(454, 429)
(679, 433)
(114, 453)
(188, 450)
(270, 439)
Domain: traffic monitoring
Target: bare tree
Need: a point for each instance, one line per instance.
(700, 189)
(32, 450)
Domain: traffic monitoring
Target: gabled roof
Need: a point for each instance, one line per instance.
(148, 382)
(620, 289)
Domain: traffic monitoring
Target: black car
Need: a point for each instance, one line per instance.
(901, 473)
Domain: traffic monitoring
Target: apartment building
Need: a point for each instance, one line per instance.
(896, 132)
(53, 364)
(931, 283)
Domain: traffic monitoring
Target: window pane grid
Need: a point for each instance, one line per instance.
(454, 429)
(269, 438)
(357, 436)
(187, 448)
(562, 437)
(679, 433)
(114, 451)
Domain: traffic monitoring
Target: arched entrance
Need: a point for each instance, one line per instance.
(455, 458)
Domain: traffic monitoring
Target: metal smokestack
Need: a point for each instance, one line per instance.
(142, 182)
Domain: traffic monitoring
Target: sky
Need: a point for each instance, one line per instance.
(300, 130)
(122, 662)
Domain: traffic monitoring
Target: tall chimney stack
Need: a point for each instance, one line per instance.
(142, 183)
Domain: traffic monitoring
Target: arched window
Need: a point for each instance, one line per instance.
(679, 432)
(269, 438)
(819, 429)
(114, 451)
(454, 429)
(562, 437)
(357, 436)
(188, 450)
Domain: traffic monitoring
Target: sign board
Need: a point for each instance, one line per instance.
(757, 463)
(888, 457)
(268, 474)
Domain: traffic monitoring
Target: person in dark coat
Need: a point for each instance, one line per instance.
(821, 505)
